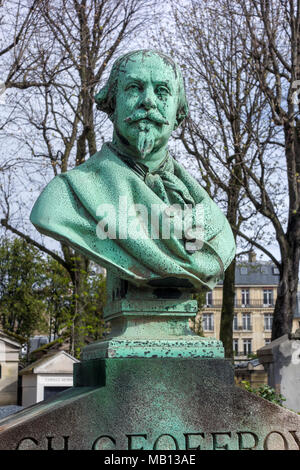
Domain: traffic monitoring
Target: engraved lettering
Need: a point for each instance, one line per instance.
(241, 439)
(187, 440)
(247, 440)
(296, 438)
(130, 441)
(66, 442)
(217, 445)
(26, 439)
(162, 436)
(266, 442)
(102, 443)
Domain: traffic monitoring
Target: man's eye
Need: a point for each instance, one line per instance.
(161, 90)
(134, 86)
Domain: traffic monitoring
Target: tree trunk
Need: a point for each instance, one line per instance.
(289, 243)
(286, 302)
(77, 330)
(227, 312)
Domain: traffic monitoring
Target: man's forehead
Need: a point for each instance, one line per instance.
(140, 64)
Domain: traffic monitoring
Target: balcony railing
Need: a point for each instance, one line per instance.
(241, 354)
(237, 304)
(242, 328)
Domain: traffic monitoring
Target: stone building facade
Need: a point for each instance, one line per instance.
(255, 296)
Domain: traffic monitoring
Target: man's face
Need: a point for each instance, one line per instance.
(146, 103)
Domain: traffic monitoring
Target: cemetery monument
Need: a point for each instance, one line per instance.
(133, 209)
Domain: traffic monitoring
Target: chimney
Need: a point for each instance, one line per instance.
(252, 256)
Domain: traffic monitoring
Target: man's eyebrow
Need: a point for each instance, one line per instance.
(135, 78)
(162, 82)
(138, 79)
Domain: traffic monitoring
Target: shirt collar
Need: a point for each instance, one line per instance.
(140, 168)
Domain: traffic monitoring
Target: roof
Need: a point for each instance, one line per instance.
(51, 363)
(9, 340)
(260, 273)
(256, 273)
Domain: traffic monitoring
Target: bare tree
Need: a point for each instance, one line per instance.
(272, 44)
(227, 121)
(17, 25)
(73, 45)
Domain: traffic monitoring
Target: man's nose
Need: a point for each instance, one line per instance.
(148, 100)
(148, 103)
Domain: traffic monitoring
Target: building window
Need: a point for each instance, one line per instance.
(235, 322)
(235, 346)
(276, 271)
(208, 322)
(247, 346)
(209, 298)
(244, 270)
(268, 297)
(247, 321)
(245, 297)
(268, 321)
(267, 341)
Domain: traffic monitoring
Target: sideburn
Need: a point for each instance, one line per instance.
(121, 138)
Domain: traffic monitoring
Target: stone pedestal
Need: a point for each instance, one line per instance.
(152, 385)
(151, 322)
(152, 404)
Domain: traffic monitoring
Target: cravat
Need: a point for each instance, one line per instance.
(163, 182)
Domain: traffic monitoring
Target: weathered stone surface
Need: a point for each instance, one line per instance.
(193, 346)
(157, 404)
(281, 359)
(146, 323)
(150, 322)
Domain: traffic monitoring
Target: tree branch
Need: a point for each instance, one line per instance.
(30, 240)
(257, 245)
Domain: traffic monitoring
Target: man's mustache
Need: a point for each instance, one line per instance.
(152, 115)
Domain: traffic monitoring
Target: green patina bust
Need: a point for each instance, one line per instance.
(131, 207)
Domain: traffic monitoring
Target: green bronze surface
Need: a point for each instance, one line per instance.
(147, 322)
(145, 101)
(137, 212)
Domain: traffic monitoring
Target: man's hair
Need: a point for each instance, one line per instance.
(106, 98)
